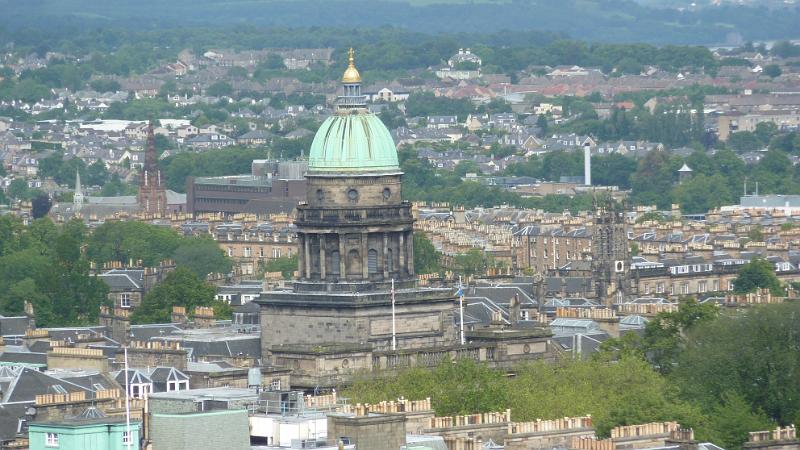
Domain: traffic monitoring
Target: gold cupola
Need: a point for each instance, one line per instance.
(351, 75)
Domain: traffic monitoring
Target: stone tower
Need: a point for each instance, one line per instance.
(610, 259)
(354, 236)
(152, 193)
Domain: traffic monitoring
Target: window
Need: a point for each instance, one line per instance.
(275, 385)
(51, 440)
(125, 300)
(247, 252)
(335, 261)
(126, 437)
(230, 252)
(660, 288)
(261, 252)
(372, 261)
(701, 287)
(685, 288)
(389, 261)
(177, 385)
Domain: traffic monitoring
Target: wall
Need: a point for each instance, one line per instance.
(374, 432)
(219, 429)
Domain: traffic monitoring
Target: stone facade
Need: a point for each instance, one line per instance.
(371, 432)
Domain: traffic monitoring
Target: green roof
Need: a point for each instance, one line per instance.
(354, 142)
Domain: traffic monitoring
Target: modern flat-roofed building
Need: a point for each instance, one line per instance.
(243, 194)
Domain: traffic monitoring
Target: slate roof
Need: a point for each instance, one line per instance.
(90, 380)
(30, 383)
(589, 343)
(10, 413)
(13, 326)
(24, 358)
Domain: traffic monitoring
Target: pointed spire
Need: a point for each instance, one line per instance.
(150, 156)
(77, 197)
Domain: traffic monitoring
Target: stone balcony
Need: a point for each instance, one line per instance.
(374, 215)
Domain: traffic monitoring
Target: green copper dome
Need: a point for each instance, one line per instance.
(354, 142)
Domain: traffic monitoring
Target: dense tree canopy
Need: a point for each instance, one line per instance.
(180, 288)
(43, 264)
(130, 241)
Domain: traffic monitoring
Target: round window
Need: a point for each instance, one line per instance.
(387, 193)
(352, 194)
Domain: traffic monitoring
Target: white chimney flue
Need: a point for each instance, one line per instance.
(587, 165)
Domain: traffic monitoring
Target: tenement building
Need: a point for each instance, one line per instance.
(356, 304)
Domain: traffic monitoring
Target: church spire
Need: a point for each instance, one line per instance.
(77, 198)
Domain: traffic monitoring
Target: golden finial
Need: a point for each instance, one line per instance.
(351, 75)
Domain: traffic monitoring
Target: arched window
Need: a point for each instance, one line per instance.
(335, 262)
(372, 261)
(353, 263)
(389, 261)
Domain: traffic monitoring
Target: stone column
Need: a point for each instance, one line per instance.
(342, 258)
(402, 251)
(364, 256)
(385, 256)
(410, 243)
(322, 266)
(307, 243)
(301, 263)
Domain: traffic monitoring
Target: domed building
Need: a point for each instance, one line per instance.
(355, 242)
(356, 305)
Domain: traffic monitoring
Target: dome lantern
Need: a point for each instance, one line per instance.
(352, 140)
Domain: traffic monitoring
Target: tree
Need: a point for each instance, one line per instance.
(18, 189)
(40, 205)
(541, 123)
(273, 62)
(181, 287)
(731, 421)
(97, 174)
(772, 70)
(652, 181)
(743, 141)
(286, 265)
(132, 241)
(753, 355)
(426, 258)
(663, 338)
(202, 256)
(105, 85)
(702, 193)
(465, 167)
(471, 263)
(758, 273)
(220, 89)
(43, 264)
